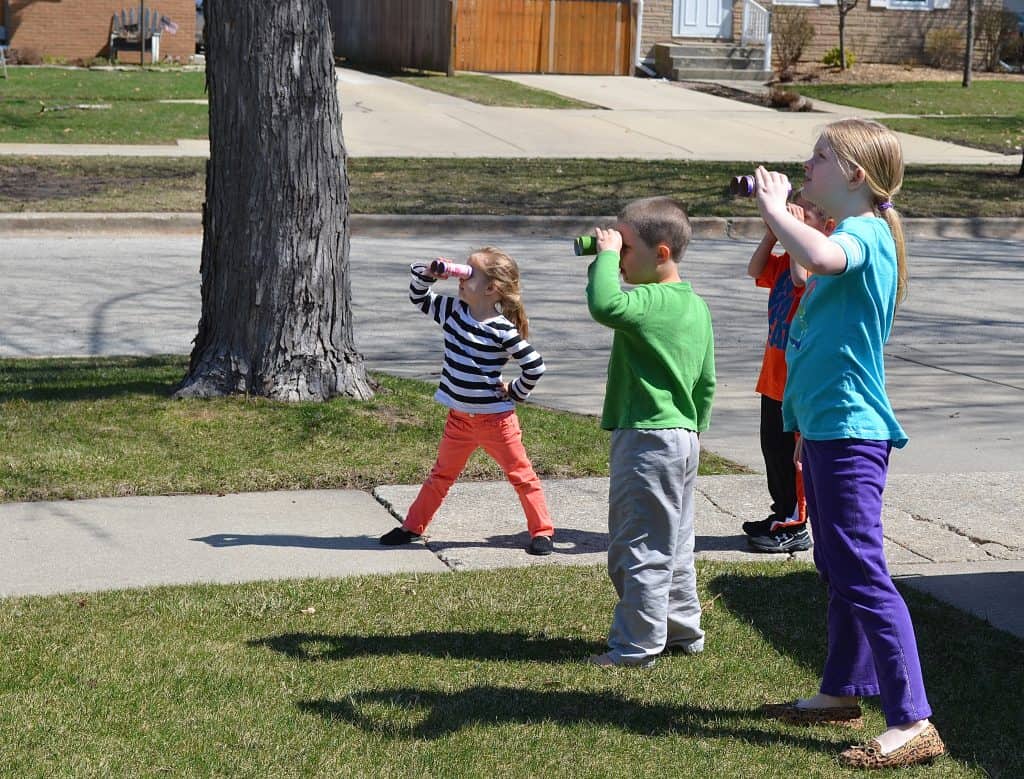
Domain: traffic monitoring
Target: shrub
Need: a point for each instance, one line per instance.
(994, 28)
(944, 47)
(792, 31)
(24, 56)
(831, 57)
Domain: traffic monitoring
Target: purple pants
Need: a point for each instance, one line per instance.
(871, 645)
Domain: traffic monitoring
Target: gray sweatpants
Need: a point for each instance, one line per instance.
(650, 554)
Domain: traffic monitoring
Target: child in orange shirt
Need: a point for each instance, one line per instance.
(785, 529)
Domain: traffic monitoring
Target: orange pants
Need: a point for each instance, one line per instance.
(502, 439)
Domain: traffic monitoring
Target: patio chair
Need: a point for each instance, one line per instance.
(131, 30)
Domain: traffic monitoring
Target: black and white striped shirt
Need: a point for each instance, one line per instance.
(475, 352)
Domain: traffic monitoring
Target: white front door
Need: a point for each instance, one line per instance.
(702, 19)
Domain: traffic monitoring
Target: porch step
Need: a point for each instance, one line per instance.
(709, 60)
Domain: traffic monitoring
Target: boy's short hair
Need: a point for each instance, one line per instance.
(659, 220)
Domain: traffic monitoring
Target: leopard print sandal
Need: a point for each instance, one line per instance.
(922, 748)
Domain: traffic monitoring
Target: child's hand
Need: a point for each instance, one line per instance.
(610, 239)
(430, 268)
(772, 189)
(503, 390)
(795, 210)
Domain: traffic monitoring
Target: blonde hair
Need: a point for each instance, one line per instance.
(659, 220)
(875, 149)
(503, 273)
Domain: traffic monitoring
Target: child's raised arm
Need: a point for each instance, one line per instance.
(763, 252)
(808, 247)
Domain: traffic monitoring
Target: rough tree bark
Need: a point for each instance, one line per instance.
(276, 297)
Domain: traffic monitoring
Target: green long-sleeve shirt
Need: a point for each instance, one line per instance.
(661, 372)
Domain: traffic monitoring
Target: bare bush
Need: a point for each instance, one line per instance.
(792, 31)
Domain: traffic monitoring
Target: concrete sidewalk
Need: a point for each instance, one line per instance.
(637, 118)
(90, 545)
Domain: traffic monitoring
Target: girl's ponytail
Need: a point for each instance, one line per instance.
(892, 218)
(513, 311)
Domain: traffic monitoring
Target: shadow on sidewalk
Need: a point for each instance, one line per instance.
(341, 543)
(973, 673)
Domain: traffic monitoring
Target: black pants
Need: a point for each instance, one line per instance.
(777, 447)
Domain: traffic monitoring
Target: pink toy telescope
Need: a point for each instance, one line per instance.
(445, 268)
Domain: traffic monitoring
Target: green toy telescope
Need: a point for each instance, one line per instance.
(585, 244)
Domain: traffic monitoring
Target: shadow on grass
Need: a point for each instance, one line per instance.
(429, 714)
(478, 645)
(89, 379)
(973, 673)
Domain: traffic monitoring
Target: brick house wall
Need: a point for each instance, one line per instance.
(80, 29)
(874, 34)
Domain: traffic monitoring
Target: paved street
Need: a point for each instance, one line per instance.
(955, 362)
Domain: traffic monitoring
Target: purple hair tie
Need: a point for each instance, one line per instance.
(885, 206)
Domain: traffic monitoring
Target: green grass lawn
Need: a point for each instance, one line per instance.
(128, 122)
(488, 90)
(66, 85)
(987, 115)
(466, 186)
(134, 115)
(81, 428)
(474, 674)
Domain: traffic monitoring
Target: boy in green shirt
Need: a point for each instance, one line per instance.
(661, 381)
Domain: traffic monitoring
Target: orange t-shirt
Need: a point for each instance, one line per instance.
(782, 304)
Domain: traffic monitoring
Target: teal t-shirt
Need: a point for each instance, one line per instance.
(835, 387)
(661, 371)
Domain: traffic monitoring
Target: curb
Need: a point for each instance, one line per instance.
(459, 225)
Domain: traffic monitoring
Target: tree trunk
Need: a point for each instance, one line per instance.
(969, 49)
(842, 35)
(276, 297)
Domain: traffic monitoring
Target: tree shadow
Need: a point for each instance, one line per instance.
(477, 645)
(432, 714)
(87, 379)
(973, 673)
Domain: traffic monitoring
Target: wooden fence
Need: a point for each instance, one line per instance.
(394, 34)
(496, 36)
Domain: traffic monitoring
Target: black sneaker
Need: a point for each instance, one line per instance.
(760, 528)
(785, 541)
(398, 536)
(540, 545)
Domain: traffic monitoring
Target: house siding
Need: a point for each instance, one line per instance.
(873, 34)
(80, 29)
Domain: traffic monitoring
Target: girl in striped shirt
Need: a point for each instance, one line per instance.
(478, 341)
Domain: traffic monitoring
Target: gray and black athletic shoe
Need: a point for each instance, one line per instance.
(785, 541)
